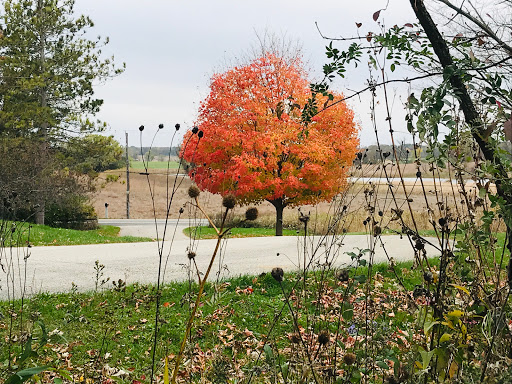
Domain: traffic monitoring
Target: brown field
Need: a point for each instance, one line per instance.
(361, 199)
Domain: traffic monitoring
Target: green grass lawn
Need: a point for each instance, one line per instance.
(38, 235)
(119, 324)
(202, 233)
(154, 165)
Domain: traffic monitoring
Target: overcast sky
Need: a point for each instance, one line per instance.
(171, 48)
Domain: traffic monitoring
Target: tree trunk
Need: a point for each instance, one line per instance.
(40, 210)
(279, 205)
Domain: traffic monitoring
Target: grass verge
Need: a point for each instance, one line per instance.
(38, 235)
(203, 232)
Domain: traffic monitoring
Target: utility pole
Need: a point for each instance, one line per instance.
(127, 180)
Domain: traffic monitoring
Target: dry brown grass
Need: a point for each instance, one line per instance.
(358, 198)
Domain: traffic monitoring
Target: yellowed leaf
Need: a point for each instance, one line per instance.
(456, 313)
(461, 288)
(453, 369)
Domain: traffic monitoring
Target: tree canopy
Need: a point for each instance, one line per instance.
(255, 144)
(92, 154)
(47, 69)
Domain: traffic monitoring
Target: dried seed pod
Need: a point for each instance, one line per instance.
(377, 230)
(251, 214)
(343, 275)
(277, 273)
(428, 276)
(191, 255)
(193, 191)
(323, 338)
(349, 358)
(229, 201)
(303, 218)
(295, 338)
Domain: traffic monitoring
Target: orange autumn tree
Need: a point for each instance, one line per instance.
(256, 146)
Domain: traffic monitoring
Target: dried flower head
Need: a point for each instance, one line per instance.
(177, 126)
(193, 191)
(343, 275)
(195, 130)
(349, 358)
(141, 128)
(295, 338)
(251, 214)
(191, 255)
(428, 276)
(200, 134)
(229, 201)
(277, 273)
(160, 126)
(303, 218)
(323, 338)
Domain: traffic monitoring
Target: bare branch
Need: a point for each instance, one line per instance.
(481, 24)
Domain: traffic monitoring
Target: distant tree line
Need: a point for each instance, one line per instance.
(153, 153)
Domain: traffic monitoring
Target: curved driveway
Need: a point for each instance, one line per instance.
(55, 269)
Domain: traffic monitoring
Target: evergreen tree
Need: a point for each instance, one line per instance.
(47, 70)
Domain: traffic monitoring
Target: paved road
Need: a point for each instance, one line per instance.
(147, 227)
(55, 269)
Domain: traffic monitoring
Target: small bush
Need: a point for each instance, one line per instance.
(74, 212)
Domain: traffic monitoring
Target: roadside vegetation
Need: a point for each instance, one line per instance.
(202, 232)
(41, 235)
(105, 335)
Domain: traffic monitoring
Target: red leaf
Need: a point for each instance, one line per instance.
(376, 15)
(409, 25)
(250, 126)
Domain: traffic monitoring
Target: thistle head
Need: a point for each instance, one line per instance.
(251, 214)
(229, 201)
(193, 191)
